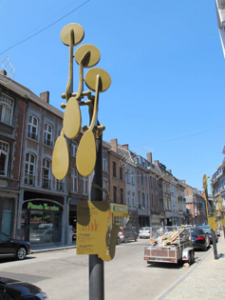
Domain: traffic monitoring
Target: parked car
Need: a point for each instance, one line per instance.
(120, 237)
(12, 289)
(200, 239)
(144, 233)
(10, 247)
(129, 234)
(41, 235)
(74, 235)
(207, 230)
(218, 232)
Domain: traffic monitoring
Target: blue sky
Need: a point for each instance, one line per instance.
(166, 64)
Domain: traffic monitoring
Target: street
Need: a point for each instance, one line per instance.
(64, 275)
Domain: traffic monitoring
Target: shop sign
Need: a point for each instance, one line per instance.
(213, 223)
(95, 232)
(45, 206)
(119, 208)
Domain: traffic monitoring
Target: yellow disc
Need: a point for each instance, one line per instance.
(86, 154)
(92, 59)
(72, 119)
(78, 34)
(60, 158)
(90, 79)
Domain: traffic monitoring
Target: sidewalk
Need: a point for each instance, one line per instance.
(204, 281)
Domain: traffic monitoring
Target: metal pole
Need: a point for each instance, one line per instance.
(214, 244)
(96, 265)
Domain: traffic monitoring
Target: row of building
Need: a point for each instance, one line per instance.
(33, 200)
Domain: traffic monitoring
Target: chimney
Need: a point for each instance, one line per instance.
(3, 72)
(184, 181)
(149, 157)
(156, 162)
(126, 146)
(45, 96)
(170, 171)
(114, 145)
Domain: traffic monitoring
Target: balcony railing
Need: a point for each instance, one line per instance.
(46, 183)
(32, 135)
(60, 186)
(48, 142)
(29, 179)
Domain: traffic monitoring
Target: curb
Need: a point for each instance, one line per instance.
(33, 251)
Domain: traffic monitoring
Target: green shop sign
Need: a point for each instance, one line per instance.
(119, 208)
(45, 206)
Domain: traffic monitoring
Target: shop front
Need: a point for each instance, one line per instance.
(133, 220)
(7, 213)
(41, 221)
(116, 210)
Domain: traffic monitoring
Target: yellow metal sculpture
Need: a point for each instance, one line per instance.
(211, 220)
(97, 80)
(96, 233)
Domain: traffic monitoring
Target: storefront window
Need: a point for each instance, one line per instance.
(41, 222)
(6, 215)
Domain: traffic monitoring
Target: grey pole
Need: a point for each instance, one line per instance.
(96, 265)
(214, 244)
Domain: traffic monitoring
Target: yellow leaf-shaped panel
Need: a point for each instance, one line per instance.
(72, 119)
(86, 154)
(60, 158)
(78, 34)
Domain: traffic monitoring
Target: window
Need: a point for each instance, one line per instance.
(114, 193)
(32, 127)
(133, 196)
(150, 181)
(137, 176)
(6, 109)
(121, 196)
(48, 135)
(142, 179)
(143, 199)
(152, 204)
(46, 184)
(30, 169)
(139, 198)
(60, 186)
(128, 198)
(74, 180)
(128, 176)
(74, 148)
(121, 173)
(114, 169)
(105, 162)
(147, 201)
(132, 177)
(85, 185)
(146, 181)
(4, 156)
(157, 202)
(105, 186)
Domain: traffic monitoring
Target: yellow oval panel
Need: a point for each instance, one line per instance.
(90, 79)
(78, 34)
(86, 154)
(92, 59)
(60, 158)
(72, 119)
